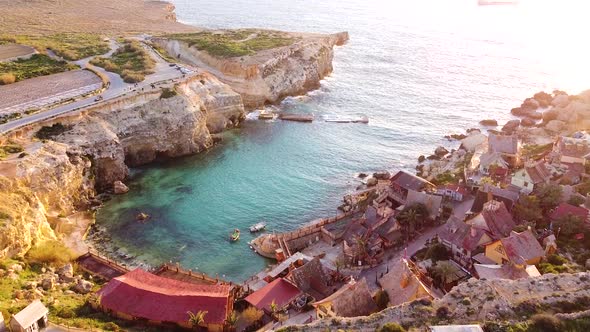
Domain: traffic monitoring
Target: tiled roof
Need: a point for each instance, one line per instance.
(521, 247)
(352, 300)
(409, 181)
(312, 279)
(462, 235)
(280, 291)
(503, 144)
(401, 284)
(494, 219)
(145, 295)
(565, 209)
(508, 197)
(492, 158)
(538, 173)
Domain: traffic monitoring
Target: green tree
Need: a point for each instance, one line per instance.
(576, 200)
(528, 209)
(545, 323)
(437, 252)
(196, 320)
(251, 315)
(549, 196)
(412, 217)
(569, 225)
(232, 321)
(391, 327)
(382, 299)
(442, 272)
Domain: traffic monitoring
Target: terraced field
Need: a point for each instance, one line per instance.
(42, 91)
(12, 51)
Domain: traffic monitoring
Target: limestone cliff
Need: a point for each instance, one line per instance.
(270, 75)
(35, 190)
(139, 129)
(60, 177)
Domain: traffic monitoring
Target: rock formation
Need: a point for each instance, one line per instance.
(60, 177)
(269, 75)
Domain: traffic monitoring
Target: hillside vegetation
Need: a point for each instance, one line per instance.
(70, 46)
(234, 43)
(37, 65)
(131, 61)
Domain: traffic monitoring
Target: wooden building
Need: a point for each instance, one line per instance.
(33, 318)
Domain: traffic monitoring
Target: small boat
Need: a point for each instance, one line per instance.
(257, 227)
(235, 235)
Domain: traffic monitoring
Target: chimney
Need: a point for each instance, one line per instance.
(490, 195)
(473, 232)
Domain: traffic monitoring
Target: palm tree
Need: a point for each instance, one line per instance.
(232, 321)
(408, 220)
(361, 250)
(443, 272)
(196, 320)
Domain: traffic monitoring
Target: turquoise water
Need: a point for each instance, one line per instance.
(417, 69)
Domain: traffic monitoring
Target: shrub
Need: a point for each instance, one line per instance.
(49, 132)
(7, 78)
(168, 93)
(65, 312)
(556, 259)
(251, 315)
(382, 299)
(576, 200)
(391, 327)
(545, 323)
(442, 312)
(110, 326)
(50, 252)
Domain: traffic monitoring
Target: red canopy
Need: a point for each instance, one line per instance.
(145, 295)
(280, 291)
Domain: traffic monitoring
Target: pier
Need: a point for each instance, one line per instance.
(296, 117)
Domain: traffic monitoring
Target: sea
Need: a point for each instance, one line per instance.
(419, 70)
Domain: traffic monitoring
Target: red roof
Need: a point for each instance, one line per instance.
(522, 247)
(565, 209)
(145, 295)
(279, 290)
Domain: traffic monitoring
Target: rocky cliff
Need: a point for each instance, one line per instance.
(270, 75)
(500, 302)
(38, 189)
(96, 147)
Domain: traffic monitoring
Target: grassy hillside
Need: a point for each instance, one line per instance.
(70, 46)
(37, 65)
(131, 61)
(234, 43)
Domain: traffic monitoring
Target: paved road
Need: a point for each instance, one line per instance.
(163, 72)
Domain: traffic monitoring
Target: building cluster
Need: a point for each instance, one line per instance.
(412, 240)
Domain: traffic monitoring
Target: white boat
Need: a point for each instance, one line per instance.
(257, 227)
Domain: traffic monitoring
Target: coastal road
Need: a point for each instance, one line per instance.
(163, 73)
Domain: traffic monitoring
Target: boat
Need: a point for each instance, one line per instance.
(235, 235)
(258, 227)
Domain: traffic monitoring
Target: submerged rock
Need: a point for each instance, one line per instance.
(489, 123)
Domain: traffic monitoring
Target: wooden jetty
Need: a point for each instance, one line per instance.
(101, 267)
(296, 117)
